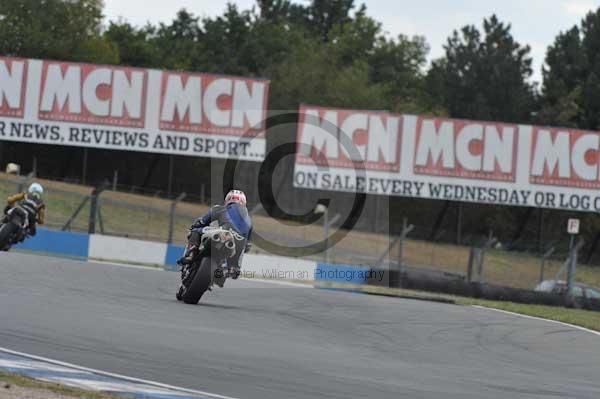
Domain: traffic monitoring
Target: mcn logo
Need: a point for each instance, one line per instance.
(212, 104)
(349, 139)
(466, 149)
(565, 158)
(86, 93)
(13, 74)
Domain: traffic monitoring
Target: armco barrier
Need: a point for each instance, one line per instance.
(57, 243)
(118, 249)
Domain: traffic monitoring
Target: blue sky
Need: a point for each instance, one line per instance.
(534, 22)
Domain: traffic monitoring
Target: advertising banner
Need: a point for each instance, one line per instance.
(132, 109)
(447, 159)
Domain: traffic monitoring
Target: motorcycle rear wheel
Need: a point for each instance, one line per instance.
(199, 284)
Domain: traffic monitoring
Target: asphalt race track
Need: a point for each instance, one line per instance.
(255, 340)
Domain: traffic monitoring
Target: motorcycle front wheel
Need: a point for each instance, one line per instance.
(6, 232)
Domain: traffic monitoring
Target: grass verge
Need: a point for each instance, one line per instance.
(8, 379)
(579, 317)
(583, 318)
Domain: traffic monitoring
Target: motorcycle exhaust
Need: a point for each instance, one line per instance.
(216, 237)
(230, 245)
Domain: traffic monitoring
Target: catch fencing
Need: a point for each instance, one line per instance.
(479, 258)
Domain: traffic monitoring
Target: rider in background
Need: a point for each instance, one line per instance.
(31, 201)
(234, 215)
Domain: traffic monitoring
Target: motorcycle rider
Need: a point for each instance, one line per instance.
(32, 202)
(233, 214)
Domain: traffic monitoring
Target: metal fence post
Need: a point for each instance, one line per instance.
(480, 257)
(115, 180)
(476, 258)
(475, 266)
(488, 244)
(406, 229)
(573, 265)
(172, 216)
(327, 223)
(100, 220)
(94, 207)
(470, 265)
(545, 256)
(67, 225)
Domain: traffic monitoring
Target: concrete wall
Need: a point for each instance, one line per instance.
(118, 249)
(126, 250)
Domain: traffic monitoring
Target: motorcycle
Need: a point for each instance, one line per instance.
(14, 227)
(209, 266)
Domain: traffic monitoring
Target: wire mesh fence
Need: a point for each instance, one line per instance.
(122, 213)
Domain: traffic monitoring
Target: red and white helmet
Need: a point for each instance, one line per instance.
(236, 196)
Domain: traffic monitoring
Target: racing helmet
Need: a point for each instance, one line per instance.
(35, 192)
(235, 196)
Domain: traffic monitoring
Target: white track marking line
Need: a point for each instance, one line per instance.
(539, 318)
(113, 375)
(31, 365)
(106, 262)
(116, 387)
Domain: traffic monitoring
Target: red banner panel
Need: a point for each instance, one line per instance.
(564, 157)
(466, 149)
(213, 104)
(13, 80)
(132, 109)
(349, 139)
(97, 94)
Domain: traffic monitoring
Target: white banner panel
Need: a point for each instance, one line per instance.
(447, 159)
(132, 109)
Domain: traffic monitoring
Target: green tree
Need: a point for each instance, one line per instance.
(282, 10)
(484, 75)
(135, 45)
(301, 78)
(365, 69)
(229, 44)
(572, 77)
(55, 29)
(315, 53)
(399, 63)
(324, 15)
(355, 39)
(177, 43)
(236, 42)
